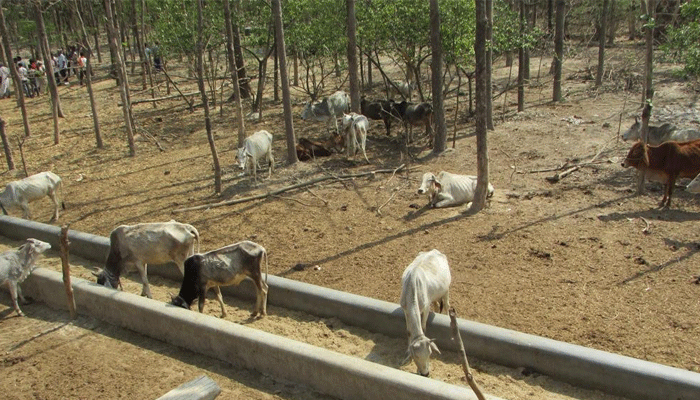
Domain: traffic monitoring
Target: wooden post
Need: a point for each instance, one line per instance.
(465, 362)
(20, 143)
(66, 270)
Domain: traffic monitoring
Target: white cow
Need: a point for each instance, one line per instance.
(659, 134)
(327, 109)
(148, 243)
(16, 265)
(424, 282)
(355, 128)
(256, 147)
(18, 194)
(446, 189)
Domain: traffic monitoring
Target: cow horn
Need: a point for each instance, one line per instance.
(97, 274)
(434, 346)
(172, 296)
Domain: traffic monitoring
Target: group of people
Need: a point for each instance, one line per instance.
(32, 73)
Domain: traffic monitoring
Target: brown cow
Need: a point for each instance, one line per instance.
(666, 163)
(310, 149)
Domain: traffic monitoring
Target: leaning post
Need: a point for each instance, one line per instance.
(66, 270)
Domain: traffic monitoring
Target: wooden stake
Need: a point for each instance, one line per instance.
(66, 271)
(465, 362)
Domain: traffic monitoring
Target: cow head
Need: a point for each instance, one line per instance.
(430, 185)
(420, 350)
(637, 157)
(32, 248)
(106, 279)
(242, 157)
(307, 112)
(178, 301)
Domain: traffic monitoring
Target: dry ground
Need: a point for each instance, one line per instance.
(566, 260)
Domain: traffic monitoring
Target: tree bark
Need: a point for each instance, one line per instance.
(352, 57)
(601, 44)
(286, 97)
(489, 63)
(481, 55)
(122, 77)
(205, 101)
(14, 73)
(88, 84)
(240, 62)
(6, 146)
(521, 60)
(56, 110)
(558, 49)
(440, 140)
(234, 72)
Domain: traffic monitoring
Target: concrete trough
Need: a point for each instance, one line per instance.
(577, 365)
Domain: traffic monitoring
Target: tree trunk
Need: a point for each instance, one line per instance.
(482, 159)
(489, 61)
(88, 83)
(205, 101)
(352, 57)
(648, 93)
(521, 60)
(275, 75)
(612, 24)
(6, 146)
(121, 73)
(440, 140)
(558, 49)
(139, 45)
(601, 44)
(286, 97)
(14, 73)
(48, 67)
(234, 72)
(240, 62)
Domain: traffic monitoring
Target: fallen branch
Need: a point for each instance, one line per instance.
(317, 196)
(288, 188)
(379, 210)
(465, 362)
(162, 98)
(291, 199)
(647, 228)
(555, 178)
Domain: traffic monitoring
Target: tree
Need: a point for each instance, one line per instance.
(44, 46)
(88, 80)
(482, 159)
(558, 49)
(601, 44)
(286, 98)
(440, 139)
(489, 61)
(352, 57)
(13, 71)
(205, 100)
(234, 72)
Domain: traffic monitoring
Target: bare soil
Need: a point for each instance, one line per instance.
(570, 260)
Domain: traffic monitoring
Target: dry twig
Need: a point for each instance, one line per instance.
(465, 362)
(379, 210)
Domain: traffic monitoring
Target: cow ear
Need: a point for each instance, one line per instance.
(97, 274)
(434, 346)
(437, 183)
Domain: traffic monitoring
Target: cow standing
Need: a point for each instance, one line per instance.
(18, 194)
(355, 127)
(256, 147)
(383, 110)
(148, 243)
(416, 115)
(327, 109)
(226, 266)
(16, 265)
(665, 163)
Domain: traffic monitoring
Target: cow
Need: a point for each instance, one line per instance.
(665, 163)
(424, 282)
(256, 147)
(147, 243)
(380, 110)
(327, 109)
(403, 89)
(694, 185)
(447, 189)
(355, 128)
(16, 265)
(416, 115)
(659, 134)
(309, 149)
(229, 265)
(18, 194)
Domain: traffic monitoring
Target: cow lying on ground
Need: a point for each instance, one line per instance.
(424, 282)
(416, 115)
(256, 147)
(659, 134)
(327, 109)
(446, 189)
(226, 266)
(18, 194)
(666, 163)
(380, 110)
(355, 128)
(148, 243)
(310, 149)
(16, 265)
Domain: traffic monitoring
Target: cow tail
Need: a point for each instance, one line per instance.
(59, 188)
(265, 256)
(195, 232)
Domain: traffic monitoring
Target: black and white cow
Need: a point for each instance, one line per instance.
(226, 266)
(148, 243)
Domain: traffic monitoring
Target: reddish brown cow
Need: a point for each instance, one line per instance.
(309, 149)
(666, 163)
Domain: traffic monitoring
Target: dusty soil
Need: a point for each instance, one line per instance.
(569, 260)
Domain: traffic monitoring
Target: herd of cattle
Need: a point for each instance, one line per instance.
(425, 282)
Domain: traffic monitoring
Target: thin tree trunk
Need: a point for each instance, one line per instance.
(286, 97)
(55, 104)
(648, 92)
(240, 61)
(521, 60)
(205, 101)
(489, 62)
(601, 44)
(14, 73)
(482, 160)
(440, 140)
(121, 73)
(6, 146)
(88, 82)
(558, 49)
(234, 72)
(352, 57)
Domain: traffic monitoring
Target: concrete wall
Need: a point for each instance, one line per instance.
(569, 363)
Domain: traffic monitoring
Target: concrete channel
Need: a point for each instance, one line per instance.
(577, 365)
